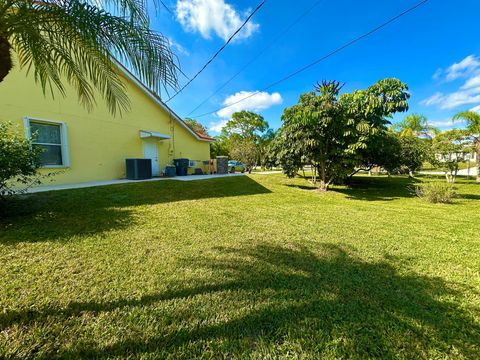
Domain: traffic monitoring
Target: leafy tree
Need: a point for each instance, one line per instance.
(313, 133)
(19, 161)
(75, 42)
(451, 147)
(382, 150)
(473, 126)
(284, 150)
(416, 125)
(196, 126)
(246, 133)
(245, 124)
(219, 147)
(413, 153)
(245, 150)
(264, 145)
(327, 130)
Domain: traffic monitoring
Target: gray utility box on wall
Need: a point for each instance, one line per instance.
(222, 165)
(138, 169)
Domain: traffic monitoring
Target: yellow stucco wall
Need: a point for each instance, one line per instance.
(98, 142)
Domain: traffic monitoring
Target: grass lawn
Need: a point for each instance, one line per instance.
(257, 266)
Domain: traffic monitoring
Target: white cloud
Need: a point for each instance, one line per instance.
(473, 82)
(207, 16)
(459, 98)
(217, 126)
(454, 99)
(437, 74)
(445, 123)
(467, 94)
(177, 48)
(257, 102)
(476, 109)
(463, 68)
(434, 99)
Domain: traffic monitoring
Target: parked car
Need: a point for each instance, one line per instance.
(234, 166)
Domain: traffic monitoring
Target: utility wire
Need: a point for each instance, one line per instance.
(304, 14)
(167, 8)
(346, 45)
(219, 50)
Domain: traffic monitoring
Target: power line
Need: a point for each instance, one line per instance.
(337, 50)
(167, 8)
(304, 14)
(219, 50)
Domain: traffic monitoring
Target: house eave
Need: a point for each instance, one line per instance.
(158, 101)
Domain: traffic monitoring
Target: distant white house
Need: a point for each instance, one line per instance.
(470, 156)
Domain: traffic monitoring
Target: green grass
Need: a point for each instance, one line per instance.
(241, 267)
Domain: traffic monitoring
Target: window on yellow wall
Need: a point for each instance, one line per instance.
(51, 137)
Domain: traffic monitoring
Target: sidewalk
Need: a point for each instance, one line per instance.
(266, 172)
(463, 172)
(123, 181)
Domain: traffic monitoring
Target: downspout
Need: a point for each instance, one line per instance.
(171, 151)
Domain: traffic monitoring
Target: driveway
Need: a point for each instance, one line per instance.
(464, 172)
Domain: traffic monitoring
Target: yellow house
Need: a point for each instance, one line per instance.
(92, 146)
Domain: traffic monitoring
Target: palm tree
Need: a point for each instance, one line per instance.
(416, 125)
(472, 119)
(77, 42)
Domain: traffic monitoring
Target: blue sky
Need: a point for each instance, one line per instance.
(435, 50)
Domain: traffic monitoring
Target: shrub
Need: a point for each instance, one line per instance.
(436, 192)
(18, 161)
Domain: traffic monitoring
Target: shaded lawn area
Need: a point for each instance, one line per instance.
(258, 266)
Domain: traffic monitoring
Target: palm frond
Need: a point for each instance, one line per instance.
(77, 41)
(472, 118)
(415, 125)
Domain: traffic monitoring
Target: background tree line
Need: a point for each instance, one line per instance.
(336, 135)
(245, 137)
(339, 135)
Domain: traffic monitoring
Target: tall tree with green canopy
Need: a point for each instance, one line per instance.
(452, 147)
(416, 125)
(245, 124)
(327, 130)
(246, 132)
(473, 126)
(413, 153)
(220, 147)
(382, 150)
(77, 42)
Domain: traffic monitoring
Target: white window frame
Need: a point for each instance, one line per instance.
(63, 139)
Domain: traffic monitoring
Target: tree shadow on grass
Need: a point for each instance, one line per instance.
(60, 215)
(379, 188)
(326, 300)
(369, 188)
(303, 187)
(469, 196)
